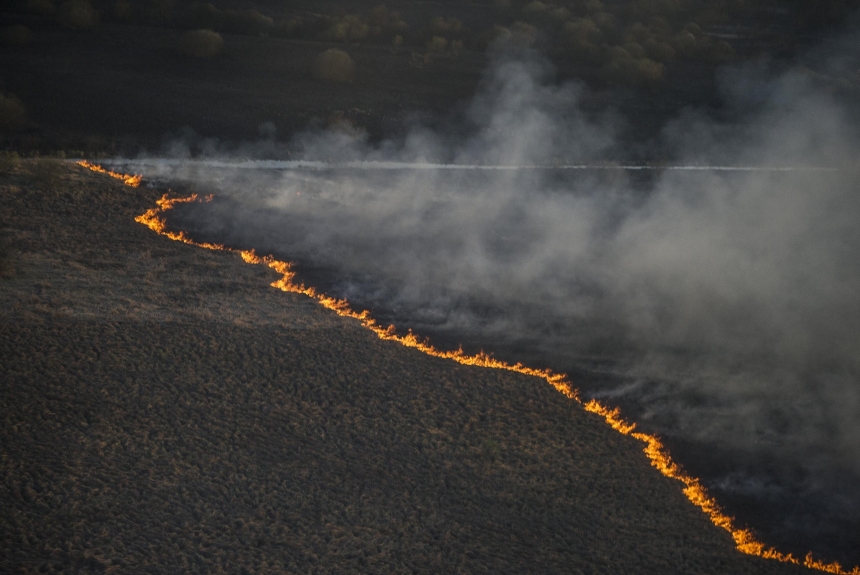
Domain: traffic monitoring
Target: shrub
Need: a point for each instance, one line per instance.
(17, 35)
(608, 26)
(545, 14)
(523, 34)
(346, 28)
(289, 28)
(715, 51)
(77, 14)
(437, 45)
(201, 43)
(205, 17)
(159, 11)
(694, 29)
(122, 11)
(649, 72)
(9, 161)
(584, 52)
(658, 50)
(535, 7)
(38, 7)
(637, 33)
(593, 6)
(581, 31)
(334, 65)
(659, 26)
(494, 34)
(12, 113)
(386, 23)
(446, 27)
(559, 15)
(684, 43)
(624, 68)
(634, 49)
(248, 22)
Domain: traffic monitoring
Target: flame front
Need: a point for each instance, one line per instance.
(130, 180)
(745, 540)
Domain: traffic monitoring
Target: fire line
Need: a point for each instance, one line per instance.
(745, 540)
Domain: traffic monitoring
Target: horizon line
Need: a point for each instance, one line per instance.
(396, 165)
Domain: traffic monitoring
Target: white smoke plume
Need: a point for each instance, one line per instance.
(723, 303)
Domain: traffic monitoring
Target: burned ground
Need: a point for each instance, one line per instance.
(164, 410)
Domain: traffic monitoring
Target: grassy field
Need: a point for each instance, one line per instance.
(164, 410)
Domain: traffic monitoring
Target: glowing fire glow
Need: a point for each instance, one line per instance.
(657, 453)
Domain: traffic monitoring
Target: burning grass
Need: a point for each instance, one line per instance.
(163, 410)
(745, 540)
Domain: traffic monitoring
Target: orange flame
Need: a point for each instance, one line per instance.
(130, 180)
(745, 540)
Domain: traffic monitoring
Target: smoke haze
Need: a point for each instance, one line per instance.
(721, 307)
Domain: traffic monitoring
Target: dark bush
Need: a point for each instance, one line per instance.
(159, 11)
(582, 31)
(522, 34)
(446, 27)
(205, 16)
(122, 11)
(17, 35)
(714, 51)
(9, 161)
(334, 65)
(659, 50)
(622, 67)
(437, 45)
(634, 49)
(77, 14)
(684, 43)
(386, 24)
(559, 15)
(38, 7)
(12, 113)
(348, 28)
(289, 28)
(248, 22)
(201, 43)
(608, 26)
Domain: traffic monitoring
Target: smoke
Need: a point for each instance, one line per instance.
(723, 304)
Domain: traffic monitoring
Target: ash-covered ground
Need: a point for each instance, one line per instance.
(713, 298)
(752, 391)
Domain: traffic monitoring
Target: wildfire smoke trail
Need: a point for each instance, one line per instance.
(654, 449)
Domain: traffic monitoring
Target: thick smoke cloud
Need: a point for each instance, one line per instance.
(724, 304)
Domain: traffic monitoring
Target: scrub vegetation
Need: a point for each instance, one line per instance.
(12, 113)
(201, 43)
(647, 56)
(334, 65)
